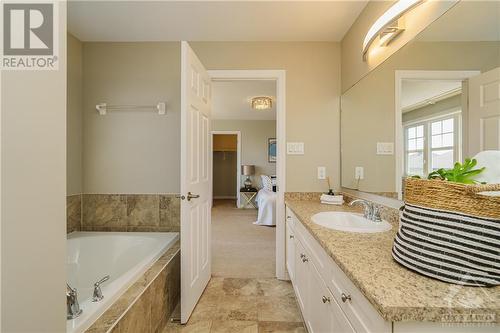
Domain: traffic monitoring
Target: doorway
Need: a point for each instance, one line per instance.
(278, 77)
(243, 211)
(431, 121)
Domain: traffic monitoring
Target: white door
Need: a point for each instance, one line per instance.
(484, 112)
(195, 180)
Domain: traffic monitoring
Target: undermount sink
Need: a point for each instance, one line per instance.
(351, 222)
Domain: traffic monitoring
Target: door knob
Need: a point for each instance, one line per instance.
(345, 297)
(192, 196)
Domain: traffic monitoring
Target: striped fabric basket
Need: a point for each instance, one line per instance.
(455, 240)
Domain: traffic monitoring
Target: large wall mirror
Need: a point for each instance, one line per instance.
(432, 103)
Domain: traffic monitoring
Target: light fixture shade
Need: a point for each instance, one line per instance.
(384, 21)
(248, 170)
(262, 103)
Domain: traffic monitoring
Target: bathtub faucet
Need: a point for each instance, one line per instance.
(97, 289)
(72, 307)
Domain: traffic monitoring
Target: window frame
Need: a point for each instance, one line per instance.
(456, 114)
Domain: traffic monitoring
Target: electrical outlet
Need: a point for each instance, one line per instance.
(359, 173)
(321, 172)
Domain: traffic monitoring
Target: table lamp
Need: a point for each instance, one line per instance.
(248, 170)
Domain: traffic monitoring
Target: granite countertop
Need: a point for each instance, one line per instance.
(397, 293)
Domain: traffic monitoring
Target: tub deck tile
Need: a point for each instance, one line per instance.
(139, 293)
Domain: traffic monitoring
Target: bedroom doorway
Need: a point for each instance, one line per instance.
(244, 133)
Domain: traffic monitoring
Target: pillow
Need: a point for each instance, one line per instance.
(267, 183)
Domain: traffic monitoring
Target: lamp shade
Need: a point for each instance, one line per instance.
(247, 170)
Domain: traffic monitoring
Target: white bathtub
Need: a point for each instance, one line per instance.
(124, 256)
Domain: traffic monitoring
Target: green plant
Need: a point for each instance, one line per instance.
(461, 173)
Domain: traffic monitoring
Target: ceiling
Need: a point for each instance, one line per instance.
(212, 20)
(417, 91)
(467, 21)
(231, 99)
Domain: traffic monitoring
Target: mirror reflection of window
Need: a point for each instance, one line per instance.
(432, 143)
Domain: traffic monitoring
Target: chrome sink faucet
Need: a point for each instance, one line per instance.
(72, 306)
(371, 211)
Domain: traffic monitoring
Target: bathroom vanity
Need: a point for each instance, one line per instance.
(348, 282)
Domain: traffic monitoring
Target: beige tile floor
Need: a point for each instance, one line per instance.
(242, 295)
(244, 305)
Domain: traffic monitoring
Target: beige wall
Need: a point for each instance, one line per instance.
(254, 136)
(368, 114)
(74, 117)
(353, 66)
(312, 98)
(131, 151)
(33, 196)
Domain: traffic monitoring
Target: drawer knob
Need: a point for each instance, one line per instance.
(326, 299)
(291, 237)
(345, 297)
(305, 259)
(302, 255)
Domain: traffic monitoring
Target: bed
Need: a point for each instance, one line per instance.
(266, 202)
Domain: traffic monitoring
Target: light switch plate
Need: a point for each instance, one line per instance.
(295, 148)
(321, 172)
(385, 148)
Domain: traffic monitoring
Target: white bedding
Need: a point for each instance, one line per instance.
(266, 201)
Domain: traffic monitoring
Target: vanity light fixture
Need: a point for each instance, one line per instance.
(387, 26)
(262, 103)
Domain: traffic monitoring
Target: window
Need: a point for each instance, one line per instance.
(431, 144)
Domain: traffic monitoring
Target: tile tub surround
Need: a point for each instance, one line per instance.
(73, 213)
(148, 303)
(130, 212)
(397, 293)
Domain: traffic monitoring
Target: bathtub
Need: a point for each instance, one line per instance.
(124, 256)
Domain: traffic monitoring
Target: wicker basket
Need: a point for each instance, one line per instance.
(455, 197)
(449, 232)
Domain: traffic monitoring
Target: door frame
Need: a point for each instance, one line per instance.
(399, 76)
(279, 76)
(238, 161)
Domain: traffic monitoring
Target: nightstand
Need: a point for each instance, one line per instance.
(247, 196)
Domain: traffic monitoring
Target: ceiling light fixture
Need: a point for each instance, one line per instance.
(262, 103)
(387, 26)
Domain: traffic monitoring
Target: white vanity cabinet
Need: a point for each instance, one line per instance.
(321, 288)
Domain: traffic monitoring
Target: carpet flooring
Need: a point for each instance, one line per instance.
(241, 249)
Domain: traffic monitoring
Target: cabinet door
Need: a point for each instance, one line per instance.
(301, 275)
(324, 314)
(290, 252)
